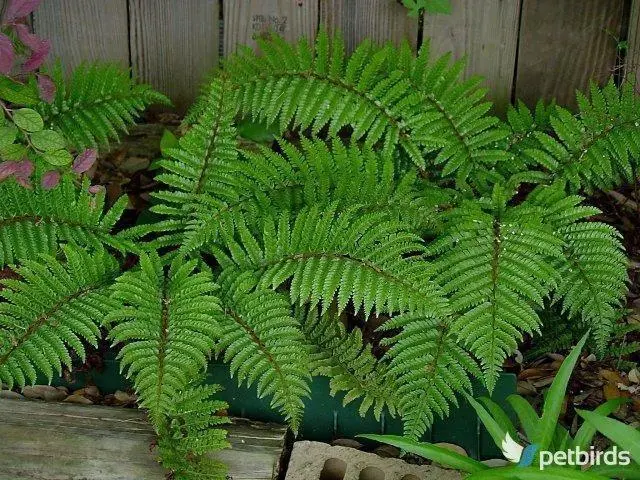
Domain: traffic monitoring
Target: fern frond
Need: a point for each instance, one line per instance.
(192, 433)
(404, 104)
(495, 267)
(597, 148)
(263, 183)
(51, 311)
(368, 259)
(263, 344)
(430, 369)
(168, 324)
(350, 365)
(36, 221)
(96, 105)
(593, 271)
(200, 165)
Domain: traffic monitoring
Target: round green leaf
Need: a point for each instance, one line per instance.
(28, 119)
(58, 158)
(14, 151)
(47, 140)
(7, 135)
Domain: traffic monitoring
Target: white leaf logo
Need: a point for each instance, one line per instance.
(511, 449)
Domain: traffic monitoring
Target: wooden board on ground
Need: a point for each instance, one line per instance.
(56, 441)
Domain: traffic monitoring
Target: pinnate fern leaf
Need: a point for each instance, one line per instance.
(51, 311)
(36, 221)
(96, 105)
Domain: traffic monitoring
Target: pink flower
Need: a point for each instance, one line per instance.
(17, 9)
(50, 179)
(46, 87)
(7, 169)
(93, 189)
(24, 169)
(84, 161)
(7, 55)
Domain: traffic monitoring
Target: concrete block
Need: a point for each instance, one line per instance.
(320, 461)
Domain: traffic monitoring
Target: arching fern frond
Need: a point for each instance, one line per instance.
(597, 148)
(350, 365)
(593, 272)
(194, 171)
(36, 221)
(97, 104)
(367, 259)
(263, 344)
(494, 264)
(409, 104)
(168, 325)
(264, 183)
(51, 311)
(429, 368)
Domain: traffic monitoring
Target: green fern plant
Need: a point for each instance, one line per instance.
(390, 191)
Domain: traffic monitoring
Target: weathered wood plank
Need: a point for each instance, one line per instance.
(174, 44)
(379, 20)
(55, 441)
(84, 30)
(565, 44)
(632, 63)
(486, 33)
(246, 19)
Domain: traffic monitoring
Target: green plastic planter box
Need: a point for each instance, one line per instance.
(325, 418)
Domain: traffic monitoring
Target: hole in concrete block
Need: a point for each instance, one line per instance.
(371, 473)
(410, 477)
(334, 469)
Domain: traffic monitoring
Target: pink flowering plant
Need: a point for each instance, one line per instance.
(53, 126)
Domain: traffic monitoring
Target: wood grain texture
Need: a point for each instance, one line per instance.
(244, 20)
(57, 441)
(84, 30)
(632, 61)
(379, 20)
(174, 44)
(565, 44)
(487, 34)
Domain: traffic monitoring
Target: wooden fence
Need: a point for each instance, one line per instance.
(525, 49)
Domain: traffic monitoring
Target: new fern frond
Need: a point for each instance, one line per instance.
(96, 105)
(168, 322)
(51, 311)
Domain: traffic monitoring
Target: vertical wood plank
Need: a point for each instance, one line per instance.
(487, 34)
(246, 19)
(565, 44)
(632, 67)
(379, 20)
(84, 30)
(174, 44)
